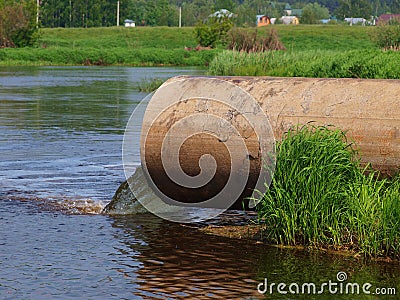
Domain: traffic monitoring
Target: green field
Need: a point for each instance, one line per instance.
(141, 46)
(164, 45)
(315, 51)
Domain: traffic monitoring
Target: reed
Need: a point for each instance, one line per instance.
(320, 197)
(150, 84)
(372, 63)
(241, 39)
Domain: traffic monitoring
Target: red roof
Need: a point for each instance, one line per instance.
(388, 17)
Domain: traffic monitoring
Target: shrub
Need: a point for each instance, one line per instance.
(251, 41)
(387, 37)
(18, 26)
(213, 31)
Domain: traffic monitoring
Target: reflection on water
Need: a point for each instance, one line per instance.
(60, 144)
(57, 256)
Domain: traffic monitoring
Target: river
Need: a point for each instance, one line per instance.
(61, 131)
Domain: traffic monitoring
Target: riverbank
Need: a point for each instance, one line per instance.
(164, 46)
(256, 233)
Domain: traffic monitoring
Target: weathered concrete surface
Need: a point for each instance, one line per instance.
(368, 109)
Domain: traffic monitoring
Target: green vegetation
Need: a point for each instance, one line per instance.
(165, 45)
(241, 39)
(18, 27)
(317, 63)
(325, 37)
(313, 13)
(150, 84)
(320, 197)
(111, 46)
(387, 37)
(319, 51)
(85, 13)
(102, 57)
(118, 37)
(213, 31)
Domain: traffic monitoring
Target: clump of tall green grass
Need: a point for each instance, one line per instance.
(372, 63)
(150, 84)
(320, 196)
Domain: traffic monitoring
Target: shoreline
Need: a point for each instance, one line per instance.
(254, 233)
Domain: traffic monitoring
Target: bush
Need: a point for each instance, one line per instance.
(18, 26)
(387, 37)
(250, 41)
(213, 31)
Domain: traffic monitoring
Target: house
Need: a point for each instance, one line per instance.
(290, 20)
(287, 10)
(263, 20)
(129, 23)
(388, 18)
(354, 21)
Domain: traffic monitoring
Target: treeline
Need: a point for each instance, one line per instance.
(94, 13)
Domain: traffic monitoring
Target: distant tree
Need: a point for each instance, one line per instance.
(313, 13)
(18, 26)
(395, 6)
(354, 8)
(224, 4)
(245, 15)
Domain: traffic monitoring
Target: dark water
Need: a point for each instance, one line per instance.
(60, 144)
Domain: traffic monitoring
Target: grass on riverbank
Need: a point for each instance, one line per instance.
(103, 57)
(372, 63)
(149, 85)
(143, 46)
(320, 197)
(151, 46)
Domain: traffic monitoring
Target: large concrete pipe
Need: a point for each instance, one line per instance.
(369, 110)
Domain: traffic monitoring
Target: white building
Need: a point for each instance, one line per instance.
(129, 23)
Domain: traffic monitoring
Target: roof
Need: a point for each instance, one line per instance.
(388, 17)
(355, 20)
(222, 13)
(129, 21)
